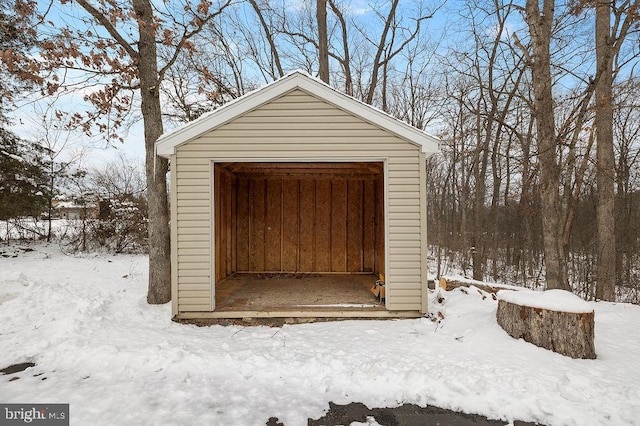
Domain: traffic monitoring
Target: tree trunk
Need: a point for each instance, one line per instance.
(323, 42)
(479, 225)
(50, 204)
(526, 209)
(156, 168)
(346, 59)
(540, 23)
(605, 171)
(567, 333)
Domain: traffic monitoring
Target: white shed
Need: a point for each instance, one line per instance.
(291, 201)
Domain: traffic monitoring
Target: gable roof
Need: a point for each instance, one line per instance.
(166, 145)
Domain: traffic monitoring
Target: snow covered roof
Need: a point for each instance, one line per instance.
(73, 205)
(168, 142)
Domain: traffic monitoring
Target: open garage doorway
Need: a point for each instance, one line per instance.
(298, 236)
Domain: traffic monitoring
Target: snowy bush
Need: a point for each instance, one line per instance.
(123, 225)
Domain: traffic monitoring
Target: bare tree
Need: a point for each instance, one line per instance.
(61, 153)
(386, 48)
(540, 23)
(606, 278)
(608, 41)
(269, 36)
(116, 47)
(122, 177)
(345, 59)
(493, 71)
(627, 149)
(323, 40)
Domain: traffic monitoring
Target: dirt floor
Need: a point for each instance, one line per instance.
(265, 292)
(404, 415)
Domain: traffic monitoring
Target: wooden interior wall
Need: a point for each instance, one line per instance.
(379, 232)
(225, 217)
(298, 224)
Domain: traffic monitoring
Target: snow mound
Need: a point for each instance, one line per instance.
(552, 300)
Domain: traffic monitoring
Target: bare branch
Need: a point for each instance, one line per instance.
(269, 36)
(186, 35)
(104, 21)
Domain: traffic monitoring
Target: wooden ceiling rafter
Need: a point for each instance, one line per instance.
(352, 170)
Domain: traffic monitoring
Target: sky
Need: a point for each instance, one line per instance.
(92, 151)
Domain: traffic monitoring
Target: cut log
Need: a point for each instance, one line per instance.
(554, 319)
(451, 283)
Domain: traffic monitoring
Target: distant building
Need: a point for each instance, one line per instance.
(70, 209)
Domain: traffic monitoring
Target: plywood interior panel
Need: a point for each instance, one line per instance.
(355, 218)
(274, 213)
(338, 225)
(242, 226)
(322, 231)
(290, 224)
(225, 223)
(368, 229)
(256, 216)
(307, 226)
(294, 217)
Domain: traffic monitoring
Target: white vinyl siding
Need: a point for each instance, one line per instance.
(193, 222)
(297, 127)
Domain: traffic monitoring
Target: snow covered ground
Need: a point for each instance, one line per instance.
(97, 345)
(34, 229)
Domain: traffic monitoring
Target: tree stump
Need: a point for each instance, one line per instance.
(554, 319)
